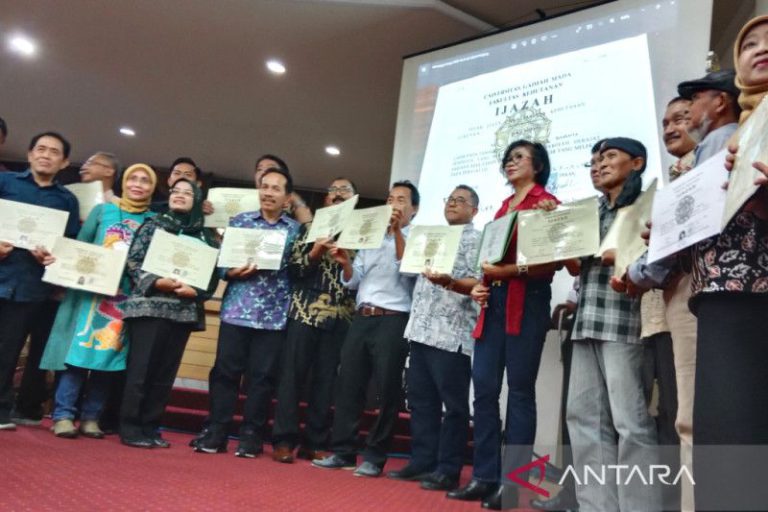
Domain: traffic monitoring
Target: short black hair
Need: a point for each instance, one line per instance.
(539, 157)
(66, 146)
(340, 178)
(3, 127)
(676, 99)
(285, 174)
(279, 161)
(472, 194)
(188, 161)
(597, 145)
(415, 197)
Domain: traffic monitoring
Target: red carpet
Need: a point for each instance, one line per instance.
(40, 472)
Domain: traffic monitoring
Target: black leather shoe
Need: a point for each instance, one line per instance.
(439, 482)
(475, 490)
(159, 442)
(564, 501)
(505, 498)
(212, 442)
(409, 473)
(137, 442)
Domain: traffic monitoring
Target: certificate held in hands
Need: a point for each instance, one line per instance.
(570, 231)
(246, 246)
(84, 266)
(366, 228)
(495, 239)
(228, 202)
(431, 248)
(88, 195)
(27, 226)
(181, 258)
(329, 221)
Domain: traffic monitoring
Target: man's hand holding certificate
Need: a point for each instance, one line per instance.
(331, 220)
(27, 226)
(431, 248)
(570, 231)
(228, 202)
(84, 266)
(180, 258)
(245, 247)
(366, 228)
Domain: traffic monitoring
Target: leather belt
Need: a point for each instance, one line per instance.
(377, 311)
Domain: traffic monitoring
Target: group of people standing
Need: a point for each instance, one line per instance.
(347, 318)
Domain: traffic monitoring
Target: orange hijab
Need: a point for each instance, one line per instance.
(129, 205)
(751, 95)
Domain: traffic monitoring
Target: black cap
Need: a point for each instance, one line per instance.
(723, 80)
(632, 147)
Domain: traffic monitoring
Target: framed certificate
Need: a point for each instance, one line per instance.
(87, 267)
(431, 248)
(88, 195)
(247, 246)
(495, 240)
(570, 231)
(329, 221)
(27, 226)
(182, 258)
(228, 202)
(366, 228)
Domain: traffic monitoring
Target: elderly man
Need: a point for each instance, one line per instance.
(607, 415)
(22, 292)
(374, 345)
(440, 334)
(318, 318)
(104, 167)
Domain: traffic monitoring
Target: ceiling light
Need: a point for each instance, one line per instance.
(332, 150)
(22, 45)
(128, 132)
(275, 67)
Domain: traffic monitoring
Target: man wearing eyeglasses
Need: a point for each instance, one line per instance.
(320, 312)
(439, 332)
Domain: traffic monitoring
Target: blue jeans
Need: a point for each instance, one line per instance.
(437, 377)
(71, 382)
(520, 354)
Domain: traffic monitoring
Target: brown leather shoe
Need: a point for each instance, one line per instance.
(283, 453)
(310, 454)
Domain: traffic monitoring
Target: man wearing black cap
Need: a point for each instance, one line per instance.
(605, 399)
(714, 111)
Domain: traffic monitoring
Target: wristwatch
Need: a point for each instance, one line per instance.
(522, 270)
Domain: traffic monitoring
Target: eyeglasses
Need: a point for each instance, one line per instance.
(461, 201)
(182, 191)
(344, 189)
(96, 162)
(515, 158)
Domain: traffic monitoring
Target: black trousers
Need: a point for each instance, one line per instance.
(33, 392)
(154, 355)
(254, 353)
(659, 364)
(373, 346)
(307, 348)
(730, 409)
(16, 320)
(438, 378)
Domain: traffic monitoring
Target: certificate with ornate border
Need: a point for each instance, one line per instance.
(182, 258)
(84, 266)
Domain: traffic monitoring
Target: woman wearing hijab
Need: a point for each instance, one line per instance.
(87, 343)
(730, 297)
(160, 315)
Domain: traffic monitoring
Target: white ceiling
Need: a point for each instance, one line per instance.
(189, 77)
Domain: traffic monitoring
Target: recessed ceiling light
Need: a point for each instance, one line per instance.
(22, 45)
(275, 67)
(332, 150)
(128, 132)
